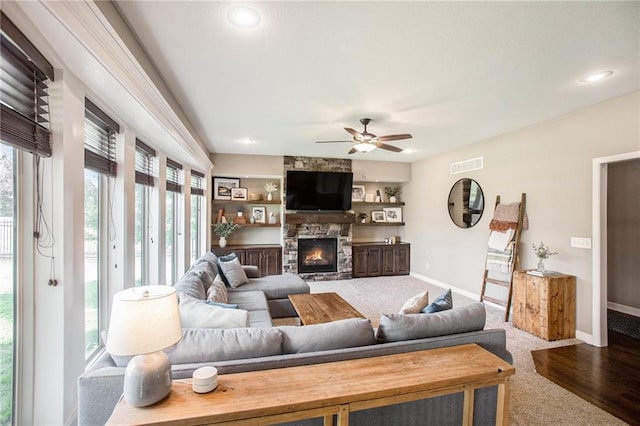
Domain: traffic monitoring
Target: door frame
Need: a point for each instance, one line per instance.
(599, 245)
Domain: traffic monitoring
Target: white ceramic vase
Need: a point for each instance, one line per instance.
(269, 196)
(393, 199)
(222, 242)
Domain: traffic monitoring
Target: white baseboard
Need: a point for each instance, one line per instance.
(629, 310)
(585, 337)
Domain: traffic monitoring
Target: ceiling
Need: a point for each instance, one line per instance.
(449, 73)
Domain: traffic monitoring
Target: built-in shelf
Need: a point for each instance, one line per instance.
(379, 224)
(256, 202)
(364, 203)
(258, 225)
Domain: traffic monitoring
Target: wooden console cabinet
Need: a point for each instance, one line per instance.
(545, 306)
(268, 258)
(375, 259)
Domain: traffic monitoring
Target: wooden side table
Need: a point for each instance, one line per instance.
(545, 306)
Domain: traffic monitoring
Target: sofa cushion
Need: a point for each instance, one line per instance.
(191, 284)
(206, 272)
(249, 300)
(211, 345)
(231, 271)
(440, 303)
(218, 291)
(260, 319)
(276, 286)
(415, 304)
(345, 333)
(196, 313)
(398, 327)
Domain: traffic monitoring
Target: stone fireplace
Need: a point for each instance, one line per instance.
(301, 229)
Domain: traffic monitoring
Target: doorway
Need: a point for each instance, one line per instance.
(600, 263)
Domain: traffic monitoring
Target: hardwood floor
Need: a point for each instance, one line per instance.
(607, 377)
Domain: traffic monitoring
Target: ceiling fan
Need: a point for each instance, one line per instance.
(365, 141)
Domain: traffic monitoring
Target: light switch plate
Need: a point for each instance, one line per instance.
(581, 242)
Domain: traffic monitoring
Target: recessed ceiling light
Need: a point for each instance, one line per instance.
(594, 78)
(247, 141)
(243, 16)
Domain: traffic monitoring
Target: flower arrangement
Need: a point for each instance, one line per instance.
(542, 252)
(270, 187)
(224, 229)
(392, 190)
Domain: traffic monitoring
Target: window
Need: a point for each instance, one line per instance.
(145, 156)
(197, 204)
(100, 165)
(24, 126)
(174, 187)
(8, 259)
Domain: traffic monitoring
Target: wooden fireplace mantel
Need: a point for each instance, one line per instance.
(296, 219)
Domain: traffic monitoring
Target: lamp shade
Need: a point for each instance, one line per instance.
(143, 320)
(365, 147)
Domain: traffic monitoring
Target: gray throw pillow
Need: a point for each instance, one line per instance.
(440, 303)
(347, 333)
(211, 345)
(232, 272)
(399, 327)
(218, 291)
(206, 272)
(191, 284)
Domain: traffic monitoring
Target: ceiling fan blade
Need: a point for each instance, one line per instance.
(352, 151)
(388, 147)
(353, 132)
(333, 141)
(394, 137)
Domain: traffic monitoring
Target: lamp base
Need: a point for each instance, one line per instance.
(147, 379)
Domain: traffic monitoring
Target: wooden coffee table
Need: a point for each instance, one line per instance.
(322, 307)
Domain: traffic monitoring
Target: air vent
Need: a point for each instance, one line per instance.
(466, 165)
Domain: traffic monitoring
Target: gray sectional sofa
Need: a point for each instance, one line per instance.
(262, 346)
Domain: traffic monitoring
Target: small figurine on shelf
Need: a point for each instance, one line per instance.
(272, 218)
(252, 219)
(270, 187)
(362, 217)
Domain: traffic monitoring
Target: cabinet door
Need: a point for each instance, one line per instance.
(254, 257)
(374, 261)
(402, 260)
(359, 262)
(271, 262)
(388, 261)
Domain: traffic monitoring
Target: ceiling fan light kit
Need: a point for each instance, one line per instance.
(367, 142)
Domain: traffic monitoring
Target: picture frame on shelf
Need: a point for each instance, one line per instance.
(393, 214)
(378, 216)
(222, 187)
(259, 213)
(357, 193)
(239, 194)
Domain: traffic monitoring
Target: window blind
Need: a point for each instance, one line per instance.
(197, 183)
(145, 161)
(24, 102)
(174, 176)
(99, 140)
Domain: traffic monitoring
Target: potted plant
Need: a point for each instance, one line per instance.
(542, 252)
(393, 191)
(362, 217)
(270, 187)
(223, 230)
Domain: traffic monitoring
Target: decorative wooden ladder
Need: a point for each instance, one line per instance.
(513, 264)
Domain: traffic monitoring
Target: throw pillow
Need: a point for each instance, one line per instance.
(347, 333)
(231, 272)
(218, 291)
(441, 303)
(415, 304)
(192, 285)
(206, 272)
(395, 327)
(195, 313)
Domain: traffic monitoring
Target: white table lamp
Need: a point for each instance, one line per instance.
(145, 320)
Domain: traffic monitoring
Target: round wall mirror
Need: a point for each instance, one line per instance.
(466, 203)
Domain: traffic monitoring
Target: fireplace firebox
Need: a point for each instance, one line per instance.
(317, 255)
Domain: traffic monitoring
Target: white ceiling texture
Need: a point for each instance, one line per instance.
(449, 73)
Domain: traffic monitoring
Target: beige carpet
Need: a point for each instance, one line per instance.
(534, 399)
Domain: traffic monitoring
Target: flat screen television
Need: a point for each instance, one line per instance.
(318, 191)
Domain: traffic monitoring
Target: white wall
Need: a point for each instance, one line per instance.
(551, 163)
